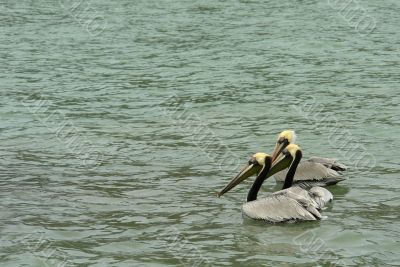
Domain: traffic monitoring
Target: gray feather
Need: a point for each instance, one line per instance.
(329, 163)
(312, 183)
(294, 203)
(321, 196)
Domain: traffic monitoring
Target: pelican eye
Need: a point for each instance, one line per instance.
(283, 140)
(253, 161)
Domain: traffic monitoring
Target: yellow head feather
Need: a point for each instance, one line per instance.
(290, 135)
(260, 157)
(292, 149)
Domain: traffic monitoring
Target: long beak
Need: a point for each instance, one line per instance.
(245, 172)
(278, 149)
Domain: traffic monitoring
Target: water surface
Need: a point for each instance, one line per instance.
(116, 136)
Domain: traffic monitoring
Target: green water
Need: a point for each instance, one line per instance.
(120, 120)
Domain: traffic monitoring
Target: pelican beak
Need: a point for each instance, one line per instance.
(280, 163)
(279, 147)
(248, 170)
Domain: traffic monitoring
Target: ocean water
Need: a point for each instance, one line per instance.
(121, 120)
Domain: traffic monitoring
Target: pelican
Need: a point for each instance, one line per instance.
(315, 171)
(290, 203)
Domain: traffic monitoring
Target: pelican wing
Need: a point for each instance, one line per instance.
(329, 163)
(308, 184)
(321, 196)
(284, 205)
(309, 170)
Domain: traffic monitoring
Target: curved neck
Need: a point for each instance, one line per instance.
(292, 170)
(252, 195)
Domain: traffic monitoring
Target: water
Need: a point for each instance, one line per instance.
(117, 132)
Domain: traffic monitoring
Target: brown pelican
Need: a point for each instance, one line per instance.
(312, 172)
(290, 203)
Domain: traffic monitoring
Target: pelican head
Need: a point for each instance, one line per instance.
(284, 159)
(284, 139)
(253, 166)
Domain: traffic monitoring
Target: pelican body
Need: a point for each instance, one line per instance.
(289, 204)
